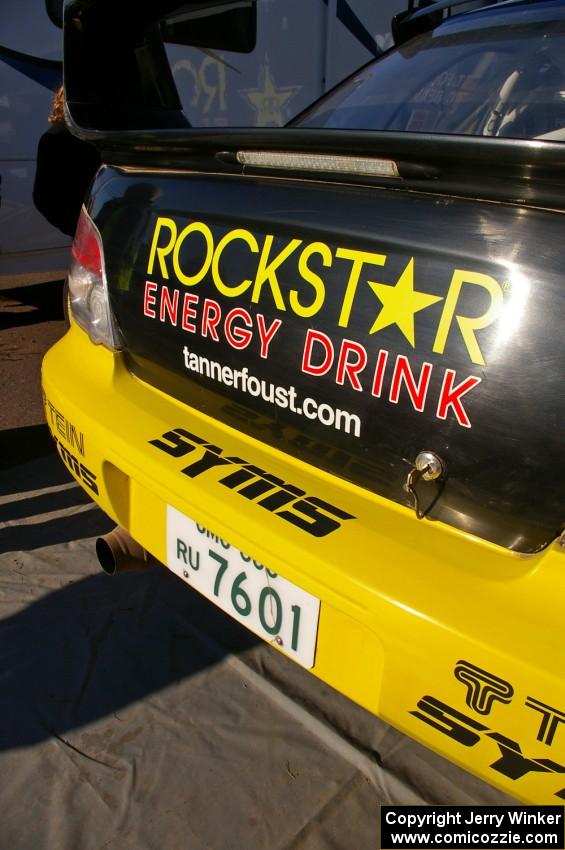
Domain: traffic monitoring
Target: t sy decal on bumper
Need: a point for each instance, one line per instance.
(483, 688)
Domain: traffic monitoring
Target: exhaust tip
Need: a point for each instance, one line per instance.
(105, 556)
(117, 552)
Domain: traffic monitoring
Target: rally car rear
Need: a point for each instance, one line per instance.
(317, 373)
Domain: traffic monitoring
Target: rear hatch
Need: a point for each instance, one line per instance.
(354, 327)
(353, 315)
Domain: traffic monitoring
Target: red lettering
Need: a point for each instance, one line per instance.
(188, 312)
(211, 315)
(238, 337)
(403, 373)
(149, 299)
(169, 306)
(351, 369)
(266, 335)
(379, 373)
(450, 397)
(326, 343)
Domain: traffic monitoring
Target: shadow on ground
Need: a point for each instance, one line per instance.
(34, 485)
(96, 645)
(93, 644)
(30, 305)
(28, 459)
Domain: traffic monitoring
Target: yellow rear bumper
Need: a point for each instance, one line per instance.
(453, 640)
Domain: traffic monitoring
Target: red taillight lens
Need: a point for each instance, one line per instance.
(88, 290)
(86, 248)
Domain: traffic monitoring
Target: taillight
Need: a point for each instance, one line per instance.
(88, 290)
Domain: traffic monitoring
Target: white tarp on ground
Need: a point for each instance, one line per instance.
(134, 716)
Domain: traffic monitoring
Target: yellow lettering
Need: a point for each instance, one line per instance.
(468, 325)
(267, 270)
(162, 251)
(195, 227)
(358, 258)
(239, 289)
(312, 278)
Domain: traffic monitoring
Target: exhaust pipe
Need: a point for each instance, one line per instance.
(118, 552)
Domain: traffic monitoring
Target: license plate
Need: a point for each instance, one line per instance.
(255, 595)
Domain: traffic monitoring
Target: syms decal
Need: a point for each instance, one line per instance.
(338, 295)
(269, 492)
(513, 759)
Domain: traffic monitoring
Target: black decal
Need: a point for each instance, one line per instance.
(189, 436)
(551, 718)
(177, 445)
(89, 478)
(313, 515)
(331, 509)
(82, 472)
(69, 459)
(483, 688)
(259, 487)
(452, 723)
(264, 484)
(282, 497)
(241, 476)
(321, 525)
(514, 765)
(209, 460)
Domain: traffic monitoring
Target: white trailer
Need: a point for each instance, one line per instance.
(304, 47)
(30, 70)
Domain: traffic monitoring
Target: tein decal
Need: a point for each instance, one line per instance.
(63, 431)
(61, 425)
(483, 688)
(315, 516)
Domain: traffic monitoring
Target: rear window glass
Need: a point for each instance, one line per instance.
(484, 81)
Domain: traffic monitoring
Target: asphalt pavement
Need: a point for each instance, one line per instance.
(31, 319)
(133, 714)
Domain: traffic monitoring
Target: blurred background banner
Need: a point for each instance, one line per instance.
(301, 51)
(31, 52)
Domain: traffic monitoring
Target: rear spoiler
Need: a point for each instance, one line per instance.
(116, 72)
(121, 97)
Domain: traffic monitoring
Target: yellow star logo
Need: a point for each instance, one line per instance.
(268, 101)
(400, 302)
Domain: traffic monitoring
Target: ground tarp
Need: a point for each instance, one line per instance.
(135, 716)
